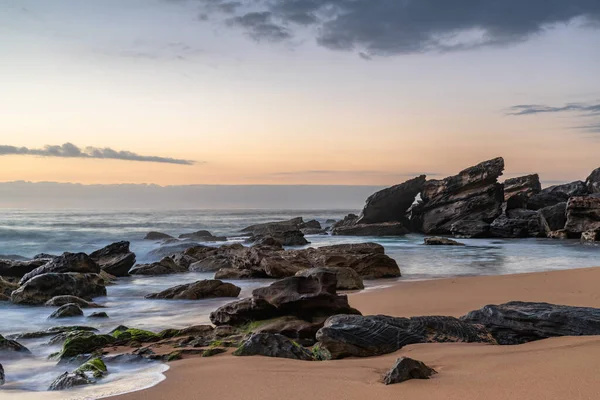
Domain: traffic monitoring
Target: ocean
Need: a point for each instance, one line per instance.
(26, 233)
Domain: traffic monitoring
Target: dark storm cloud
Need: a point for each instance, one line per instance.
(392, 27)
(69, 150)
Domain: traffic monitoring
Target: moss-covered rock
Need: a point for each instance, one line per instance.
(84, 344)
(95, 367)
(176, 355)
(138, 335)
(213, 351)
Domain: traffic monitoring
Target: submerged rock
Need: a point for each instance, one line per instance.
(347, 278)
(441, 241)
(519, 322)
(583, 214)
(116, 259)
(12, 346)
(68, 262)
(58, 301)
(42, 288)
(54, 331)
(165, 266)
(157, 236)
(207, 288)
(405, 369)
(98, 315)
(171, 249)
(358, 336)
(465, 203)
(68, 310)
(273, 345)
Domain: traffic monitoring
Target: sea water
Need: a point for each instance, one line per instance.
(27, 233)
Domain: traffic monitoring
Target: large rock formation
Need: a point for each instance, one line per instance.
(556, 194)
(517, 191)
(519, 322)
(68, 262)
(583, 214)
(198, 290)
(347, 278)
(41, 288)
(553, 218)
(116, 259)
(17, 269)
(358, 336)
(516, 223)
(593, 181)
(405, 369)
(464, 204)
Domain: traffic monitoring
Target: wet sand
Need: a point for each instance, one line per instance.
(560, 368)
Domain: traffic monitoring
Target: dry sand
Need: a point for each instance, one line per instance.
(562, 368)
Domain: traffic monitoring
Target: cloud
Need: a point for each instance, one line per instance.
(527, 109)
(352, 173)
(69, 150)
(394, 27)
(593, 128)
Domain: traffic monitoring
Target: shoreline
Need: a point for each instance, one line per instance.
(549, 369)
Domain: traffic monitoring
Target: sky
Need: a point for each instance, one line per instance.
(320, 92)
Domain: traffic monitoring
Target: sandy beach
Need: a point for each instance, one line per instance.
(560, 368)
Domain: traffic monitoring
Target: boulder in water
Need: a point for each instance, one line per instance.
(116, 259)
(17, 269)
(441, 241)
(68, 262)
(2, 377)
(58, 301)
(69, 380)
(98, 315)
(157, 236)
(68, 310)
(41, 288)
(405, 369)
(591, 236)
(273, 345)
(164, 267)
(203, 236)
(208, 288)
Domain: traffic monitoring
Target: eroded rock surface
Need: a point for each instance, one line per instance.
(273, 345)
(68, 262)
(41, 288)
(583, 214)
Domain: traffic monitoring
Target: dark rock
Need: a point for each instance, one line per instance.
(517, 223)
(519, 322)
(583, 214)
(312, 227)
(463, 204)
(347, 221)
(243, 311)
(300, 330)
(68, 310)
(553, 218)
(593, 181)
(268, 227)
(591, 236)
(165, 266)
(58, 301)
(6, 288)
(68, 262)
(44, 256)
(284, 238)
(84, 343)
(98, 315)
(527, 185)
(42, 288)
(556, 194)
(171, 249)
(198, 290)
(12, 257)
(213, 351)
(405, 369)
(441, 241)
(11, 346)
(236, 274)
(273, 345)
(558, 234)
(378, 229)
(69, 380)
(116, 259)
(183, 260)
(2, 377)
(358, 336)
(56, 330)
(203, 236)
(18, 269)
(157, 236)
(331, 221)
(391, 204)
(288, 233)
(347, 278)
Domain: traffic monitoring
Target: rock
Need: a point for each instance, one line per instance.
(441, 241)
(69, 380)
(157, 236)
(358, 336)
(243, 311)
(116, 259)
(301, 330)
(367, 259)
(68, 310)
(213, 351)
(58, 301)
(273, 345)
(312, 227)
(84, 343)
(405, 369)
(591, 236)
(171, 249)
(347, 278)
(519, 322)
(556, 194)
(42, 288)
(12, 257)
(268, 227)
(68, 262)
(98, 315)
(593, 181)
(558, 234)
(56, 330)
(284, 238)
(288, 233)
(165, 266)
(94, 368)
(391, 204)
(6, 288)
(183, 260)
(517, 223)
(203, 236)
(207, 288)
(527, 185)
(236, 274)
(17, 269)
(553, 218)
(2, 377)
(11, 346)
(379, 229)
(583, 214)
(463, 204)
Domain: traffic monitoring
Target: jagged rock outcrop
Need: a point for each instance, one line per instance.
(519, 322)
(66, 311)
(203, 236)
(273, 345)
(516, 223)
(517, 191)
(441, 241)
(405, 369)
(347, 278)
(41, 288)
(68, 262)
(360, 336)
(164, 267)
(583, 214)
(593, 181)
(465, 204)
(17, 269)
(553, 218)
(556, 194)
(207, 288)
(116, 259)
(157, 236)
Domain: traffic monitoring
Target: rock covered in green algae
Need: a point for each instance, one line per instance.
(87, 374)
(54, 331)
(273, 345)
(95, 367)
(84, 343)
(124, 334)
